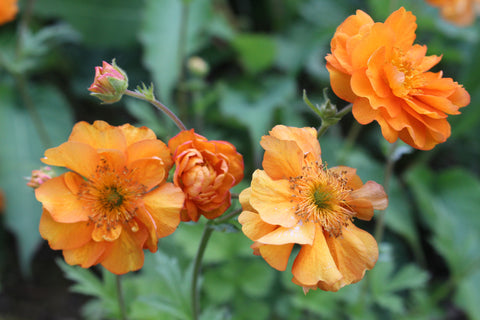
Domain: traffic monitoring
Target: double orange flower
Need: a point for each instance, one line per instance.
(116, 201)
(297, 200)
(377, 67)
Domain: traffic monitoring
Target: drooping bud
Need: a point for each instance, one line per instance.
(110, 83)
(39, 176)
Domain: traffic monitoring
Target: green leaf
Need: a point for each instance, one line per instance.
(256, 51)
(275, 93)
(161, 37)
(106, 23)
(468, 295)
(448, 203)
(20, 154)
(85, 281)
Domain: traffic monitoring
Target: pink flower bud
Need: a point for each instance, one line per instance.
(40, 176)
(110, 83)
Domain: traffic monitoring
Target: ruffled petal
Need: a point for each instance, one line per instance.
(76, 156)
(164, 205)
(87, 255)
(372, 192)
(302, 233)
(305, 138)
(99, 135)
(126, 253)
(276, 256)
(282, 159)
(315, 263)
(133, 134)
(355, 251)
(64, 235)
(253, 226)
(150, 149)
(63, 205)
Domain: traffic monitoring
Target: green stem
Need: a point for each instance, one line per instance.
(159, 106)
(207, 232)
(121, 302)
(227, 217)
(380, 225)
(340, 114)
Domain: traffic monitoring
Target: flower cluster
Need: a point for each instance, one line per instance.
(116, 201)
(296, 199)
(377, 67)
(459, 12)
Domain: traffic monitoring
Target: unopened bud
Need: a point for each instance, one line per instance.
(198, 66)
(110, 83)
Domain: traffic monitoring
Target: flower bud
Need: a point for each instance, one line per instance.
(110, 83)
(39, 176)
(198, 67)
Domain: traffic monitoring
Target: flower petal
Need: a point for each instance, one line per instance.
(372, 192)
(56, 197)
(164, 205)
(64, 235)
(315, 263)
(355, 251)
(305, 138)
(148, 172)
(276, 256)
(302, 233)
(126, 253)
(87, 255)
(78, 157)
(253, 226)
(133, 134)
(150, 149)
(99, 135)
(282, 159)
(272, 200)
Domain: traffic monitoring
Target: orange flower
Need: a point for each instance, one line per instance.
(205, 171)
(297, 200)
(377, 67)
(114, 202)
(8, 10)
(459, 12)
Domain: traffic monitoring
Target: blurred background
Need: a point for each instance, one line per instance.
(232, 69)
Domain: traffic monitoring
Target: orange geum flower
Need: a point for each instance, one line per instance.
(297, 200)
(114, 202)
(459, 12)
(8, 10)
(377, 67)
(205, 171)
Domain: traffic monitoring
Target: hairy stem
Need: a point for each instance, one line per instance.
(160, 106)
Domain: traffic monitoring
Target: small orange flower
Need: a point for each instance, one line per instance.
(114, 202)
(459, 12)
(377, 67)
(297, 200)
(205, 171)
(8, 10)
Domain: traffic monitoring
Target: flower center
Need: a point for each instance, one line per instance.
(409, 78)
(112, 199)
(321, 195)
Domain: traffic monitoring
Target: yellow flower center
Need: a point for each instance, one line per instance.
(409, 77)
(112, 199)
(320, 196)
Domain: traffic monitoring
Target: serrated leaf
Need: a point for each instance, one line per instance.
(85, 281)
